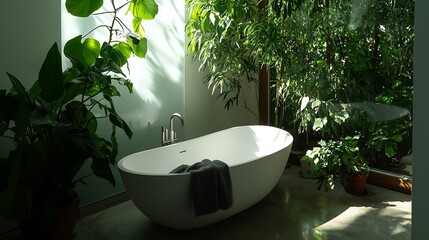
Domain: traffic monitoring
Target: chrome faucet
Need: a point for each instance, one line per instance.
(169, 136)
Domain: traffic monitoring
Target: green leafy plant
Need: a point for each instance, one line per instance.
(332, 158)
(325, 118)
(54, 124)
(386, 144)
(216, 31)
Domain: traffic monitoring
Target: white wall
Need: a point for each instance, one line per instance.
(205, 113)
(26, 36)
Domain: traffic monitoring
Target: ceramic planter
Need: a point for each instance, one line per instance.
(356, 184)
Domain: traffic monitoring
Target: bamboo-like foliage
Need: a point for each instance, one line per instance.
(319, 51)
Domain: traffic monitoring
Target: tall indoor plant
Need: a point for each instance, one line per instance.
(216, 33)
(53, 125)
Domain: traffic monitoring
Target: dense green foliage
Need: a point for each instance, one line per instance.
(345, 51)
(323, 50)
(322, 54)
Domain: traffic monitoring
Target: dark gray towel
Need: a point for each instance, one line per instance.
(210, 185)
(180, 169)
(224, 185)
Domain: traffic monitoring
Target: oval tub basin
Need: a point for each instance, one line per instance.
(256, 155)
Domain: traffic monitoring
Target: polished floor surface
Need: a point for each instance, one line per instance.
(294, 210)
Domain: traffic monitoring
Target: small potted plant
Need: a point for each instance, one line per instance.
(334, 159)
(53, 125)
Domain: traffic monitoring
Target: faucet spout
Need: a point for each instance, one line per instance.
(172, 120)
(169, 135)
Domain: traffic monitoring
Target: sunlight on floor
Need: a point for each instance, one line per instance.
(393, 219)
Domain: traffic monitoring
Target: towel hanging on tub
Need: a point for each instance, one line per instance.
(211, 185)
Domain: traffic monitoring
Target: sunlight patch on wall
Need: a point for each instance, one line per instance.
(158, 79)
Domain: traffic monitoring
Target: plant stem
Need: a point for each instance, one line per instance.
(113, 22)
(100, 26)
(83, 93)
(123, 5)
(101, 13)
(92, 96)
(122, 24)
(93, 105)
(62, 104)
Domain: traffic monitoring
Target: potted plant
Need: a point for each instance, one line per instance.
(53, 124)
(341, 158)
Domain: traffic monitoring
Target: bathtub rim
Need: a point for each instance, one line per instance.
(119, 164)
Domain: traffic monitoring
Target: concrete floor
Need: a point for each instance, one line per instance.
(294, 210)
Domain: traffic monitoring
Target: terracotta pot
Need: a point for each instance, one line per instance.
(355, 184)
(60, 226)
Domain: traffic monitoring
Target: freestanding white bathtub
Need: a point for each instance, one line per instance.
(256, 155)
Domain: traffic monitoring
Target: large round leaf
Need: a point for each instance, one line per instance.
(140, 49)
(86, 52)
(109, 52)
(83, 8)
(124, 48)
(145, 9)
